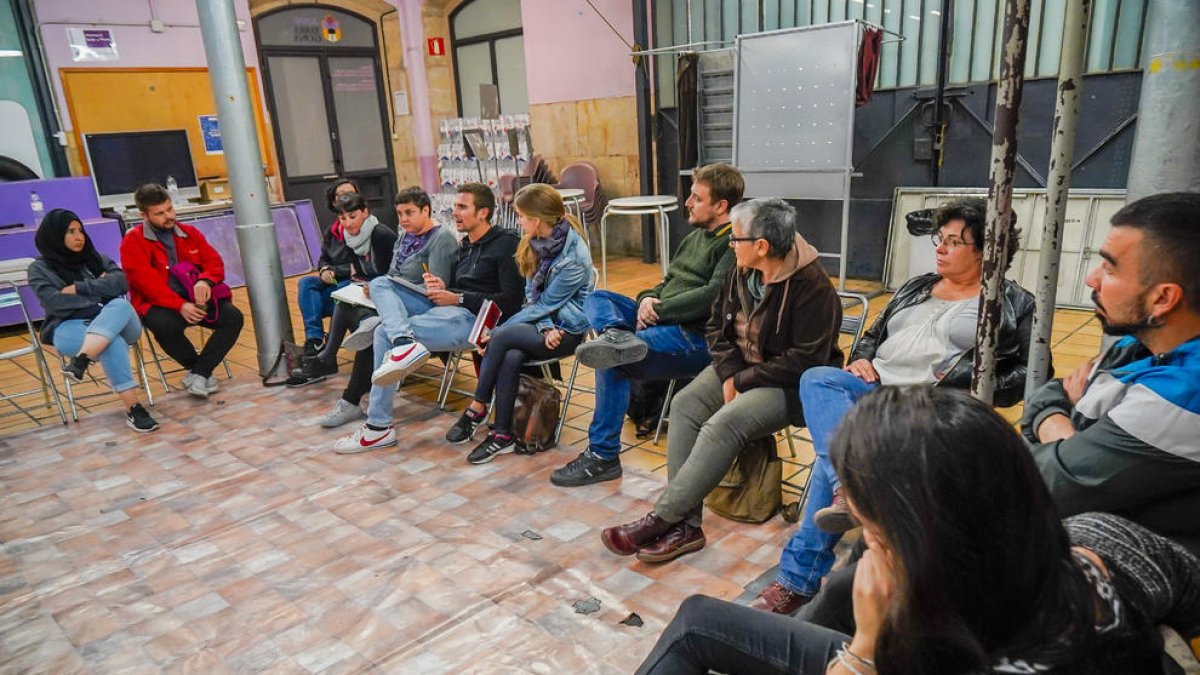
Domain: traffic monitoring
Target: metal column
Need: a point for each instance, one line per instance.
(1004, 161)
(1166, 148)
(255, 228)
(1058, 183)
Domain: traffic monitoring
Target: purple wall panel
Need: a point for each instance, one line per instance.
(77, 194)
(105, 234)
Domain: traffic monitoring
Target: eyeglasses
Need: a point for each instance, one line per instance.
(734, 240)
(952, 242)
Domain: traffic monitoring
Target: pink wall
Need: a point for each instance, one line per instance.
(178, 46)
(571, 55)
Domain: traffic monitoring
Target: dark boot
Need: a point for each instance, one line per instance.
(779, 599)
(680, 539)
(628, 538)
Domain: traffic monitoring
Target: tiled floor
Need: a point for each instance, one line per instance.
(234, 540)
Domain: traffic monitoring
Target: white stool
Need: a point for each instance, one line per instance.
(573, 200)
(651, 205)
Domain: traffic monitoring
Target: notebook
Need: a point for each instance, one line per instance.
(353, 294)
(485, 321)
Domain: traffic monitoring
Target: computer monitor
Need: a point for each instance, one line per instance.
(122, 162)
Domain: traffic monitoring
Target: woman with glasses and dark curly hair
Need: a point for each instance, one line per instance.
(925, 335)
(968, 568)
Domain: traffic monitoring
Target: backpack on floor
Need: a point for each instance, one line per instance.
(535, 416)
(751, 491)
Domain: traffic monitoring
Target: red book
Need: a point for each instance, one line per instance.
(485, 321)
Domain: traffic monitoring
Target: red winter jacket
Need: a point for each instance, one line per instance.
(144, 259)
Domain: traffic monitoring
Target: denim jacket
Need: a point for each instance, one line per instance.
(567, 286)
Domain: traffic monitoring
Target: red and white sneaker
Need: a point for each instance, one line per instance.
(399, 362)
(365, 440)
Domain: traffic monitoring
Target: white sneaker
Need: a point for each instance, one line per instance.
(342, 413)
(212, 385)
(196, 385)
(399, 362)
(363, 336)
(365, 440)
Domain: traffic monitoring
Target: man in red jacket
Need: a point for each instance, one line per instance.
(147, 253)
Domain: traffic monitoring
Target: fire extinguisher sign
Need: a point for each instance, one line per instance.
(437, 46)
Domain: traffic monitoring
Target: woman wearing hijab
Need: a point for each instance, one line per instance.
(554, 259)
(86, 317)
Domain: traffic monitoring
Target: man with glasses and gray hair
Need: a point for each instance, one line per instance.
(775, 316)
(925, 335)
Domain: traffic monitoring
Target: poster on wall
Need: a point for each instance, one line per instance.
(92, 44)
(210, 131)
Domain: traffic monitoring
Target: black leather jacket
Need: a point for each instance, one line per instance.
(1012, 349)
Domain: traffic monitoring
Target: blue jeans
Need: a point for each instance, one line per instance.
(440, 329)
(119, 323)
(315, 298)
(674, 353)
(827, 395)
(396, 306)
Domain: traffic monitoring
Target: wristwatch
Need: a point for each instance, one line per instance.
(462, 298)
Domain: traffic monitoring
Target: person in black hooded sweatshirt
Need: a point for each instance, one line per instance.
(87, 319)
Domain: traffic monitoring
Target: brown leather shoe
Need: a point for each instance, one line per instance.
(628, 538)
(680, 539)
(779, 599)
(835, 518)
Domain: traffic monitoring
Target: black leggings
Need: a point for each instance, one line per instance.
(360, 376)
(169, 326)
(346, 318)
(500, 373)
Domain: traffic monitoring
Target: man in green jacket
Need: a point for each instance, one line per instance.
(659, 336)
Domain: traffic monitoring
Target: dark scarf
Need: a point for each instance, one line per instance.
(67, 264)
(546, 250)
(412, 244)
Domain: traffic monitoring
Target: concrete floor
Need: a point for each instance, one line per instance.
(234, 540)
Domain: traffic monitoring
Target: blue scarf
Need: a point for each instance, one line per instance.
(546, 250)
(412, 244)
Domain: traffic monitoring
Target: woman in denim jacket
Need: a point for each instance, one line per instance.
(553, 257)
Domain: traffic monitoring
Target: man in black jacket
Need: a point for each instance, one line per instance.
(485, 269)
(925, 335)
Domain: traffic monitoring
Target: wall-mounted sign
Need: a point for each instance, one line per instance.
(437, 46)
(331, 30)
(92, 44)
(210, 131)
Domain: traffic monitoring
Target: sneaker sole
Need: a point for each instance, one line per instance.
(599, 355)
(468, 438)
(485, 460)
(314, 380)
(393, 376)
(666, 557)
(361, 339)
(834, 522)
(197, 394)
(131, 425)
(357, 449)
(606, 476)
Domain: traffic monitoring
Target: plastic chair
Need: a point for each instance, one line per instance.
(12, 275)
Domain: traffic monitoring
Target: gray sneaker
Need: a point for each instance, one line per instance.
(211, 384)
(343, 412)
(363, 336)
(196, 385)
(614, 347)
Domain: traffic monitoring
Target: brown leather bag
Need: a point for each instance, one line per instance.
(750, 492)
(535, 416)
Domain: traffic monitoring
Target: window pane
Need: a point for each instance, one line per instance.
(837, 10)
(787, 14)
(1036, 8)
(985, 39)
(960, 45)
(314, 27)
(664, 66)
(910, 49)
(889, 55)
(300, 114)
(510, 71)
(1053, 20)
(474, 69)
(712, 19)
(931, 25)
(749, 16)
(481, 17)
(1104, 22)
(856, 9)
(679, 17)
(820, 12)
(1129, 30)
(770, 14)
(803, 12)
(729, 20)
(356, 104)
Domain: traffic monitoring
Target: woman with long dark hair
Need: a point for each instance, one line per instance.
(87, 320)
(314, 293)
(967, 567)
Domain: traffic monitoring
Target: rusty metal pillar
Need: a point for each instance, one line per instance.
(1058, 183)
(1004, 162)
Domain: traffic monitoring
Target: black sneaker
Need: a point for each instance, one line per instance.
(586, 469)
(76, 368)
(614, 347)
(312, 346)
(464, 429)
(491, 446)
(139, 420)
(313, 371)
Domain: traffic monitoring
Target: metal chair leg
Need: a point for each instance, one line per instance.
(141, 366)
(562, 418)
(662, 416)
